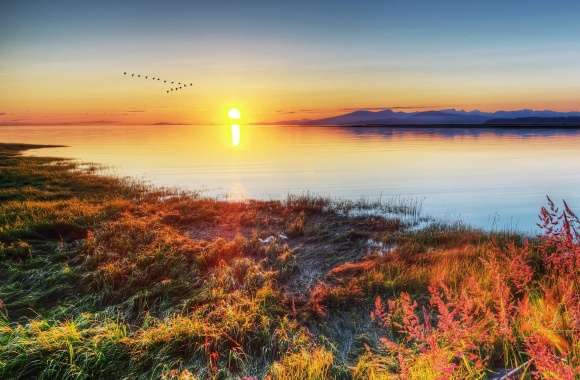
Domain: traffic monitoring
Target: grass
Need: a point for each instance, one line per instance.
(102, 277)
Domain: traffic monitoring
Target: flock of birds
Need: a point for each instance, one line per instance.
(178, 85)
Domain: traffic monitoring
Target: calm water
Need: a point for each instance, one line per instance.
(487, 178)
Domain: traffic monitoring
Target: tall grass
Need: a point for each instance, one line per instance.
(102, 277)
(520, 311)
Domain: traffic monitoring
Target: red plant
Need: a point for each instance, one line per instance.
(457, 333)
(561, 246)
(318, 295)
(558, 224)
(212, 355)
(449, 332)
(213, 359)
(548, 364)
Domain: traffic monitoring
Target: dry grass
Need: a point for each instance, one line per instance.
(106, 278)
(307, 365)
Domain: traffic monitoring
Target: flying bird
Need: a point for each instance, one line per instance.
(179, 85)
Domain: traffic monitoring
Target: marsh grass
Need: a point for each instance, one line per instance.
(102, 277)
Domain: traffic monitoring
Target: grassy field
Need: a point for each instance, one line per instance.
(101, 277)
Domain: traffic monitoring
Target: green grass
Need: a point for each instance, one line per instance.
(102, 277)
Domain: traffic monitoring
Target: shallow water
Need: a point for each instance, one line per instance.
(490, 178)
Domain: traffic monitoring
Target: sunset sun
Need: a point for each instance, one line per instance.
(234, 113)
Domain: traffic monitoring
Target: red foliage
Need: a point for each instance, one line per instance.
(459, 330)
(549, 365)
(318, 295)
(561, 246)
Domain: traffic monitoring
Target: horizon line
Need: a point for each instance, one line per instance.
(15, 123)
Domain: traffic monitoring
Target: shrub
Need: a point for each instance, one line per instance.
(295, 227)
(511, 313)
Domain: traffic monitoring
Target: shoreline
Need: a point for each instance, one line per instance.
(438, 126)
(110, 278)
(490, 126)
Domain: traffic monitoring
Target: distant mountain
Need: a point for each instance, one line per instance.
(447, 116)
(362, 116)
(533, 121)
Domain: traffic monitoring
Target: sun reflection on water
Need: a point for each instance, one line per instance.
(235, 131)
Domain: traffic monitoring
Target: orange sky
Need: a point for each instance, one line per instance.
(63, 62)
(107, 97)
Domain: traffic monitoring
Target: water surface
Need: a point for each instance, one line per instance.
(490, 178)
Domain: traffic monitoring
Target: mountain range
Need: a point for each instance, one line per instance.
(446, 116)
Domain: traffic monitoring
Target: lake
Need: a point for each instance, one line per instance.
(489, 178)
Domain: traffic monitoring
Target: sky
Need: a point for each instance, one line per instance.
(63, 61)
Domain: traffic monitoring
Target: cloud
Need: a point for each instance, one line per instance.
(303, 110)
(3, 113)
(12, 122)
(116, 113)
(15, 122)
(390, 107)
(418, 107)
(351, 109)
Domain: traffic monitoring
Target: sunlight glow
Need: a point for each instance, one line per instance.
(234, 113)
(235, 129)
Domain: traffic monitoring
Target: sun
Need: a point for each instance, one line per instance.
(234, 113)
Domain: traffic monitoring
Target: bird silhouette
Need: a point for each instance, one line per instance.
(178, 85)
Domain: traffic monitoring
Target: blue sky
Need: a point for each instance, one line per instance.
(486, 55)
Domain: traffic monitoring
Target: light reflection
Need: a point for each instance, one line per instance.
(237, 192)
(447, 168)
(235, 130)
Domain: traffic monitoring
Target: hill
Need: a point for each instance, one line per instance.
(448, 116)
